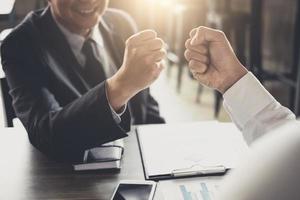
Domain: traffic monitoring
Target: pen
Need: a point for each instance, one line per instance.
(202, 171)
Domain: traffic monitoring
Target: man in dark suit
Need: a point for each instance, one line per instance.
(73, 85)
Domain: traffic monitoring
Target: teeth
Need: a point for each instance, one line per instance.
(86, 11)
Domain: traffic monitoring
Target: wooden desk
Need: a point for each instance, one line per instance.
(25, 173)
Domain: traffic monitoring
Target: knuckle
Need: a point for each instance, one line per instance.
(159, 41)
(162, 53)
(201, 28)
(129, 41)
(151, 33)
(220, 33)
(192, 64)
(187, 43)
(128, 44)
(187, 54)
(158, 55)
(202, 68)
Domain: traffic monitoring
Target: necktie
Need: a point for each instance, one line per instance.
(93, 71)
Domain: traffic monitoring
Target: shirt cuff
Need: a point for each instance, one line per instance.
(245, 99)
(116, 116)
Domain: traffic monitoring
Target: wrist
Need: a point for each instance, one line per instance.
(117, 93)
(232, 78)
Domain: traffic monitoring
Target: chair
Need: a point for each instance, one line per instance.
(17, 10)
(7, 15)
(9, 113)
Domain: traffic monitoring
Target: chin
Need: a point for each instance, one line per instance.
(89, 24)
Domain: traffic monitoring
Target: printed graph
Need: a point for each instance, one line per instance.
(202, 191)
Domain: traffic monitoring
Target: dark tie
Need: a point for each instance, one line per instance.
(93, 71)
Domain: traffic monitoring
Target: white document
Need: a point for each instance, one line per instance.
(190, 189)
(171, 147)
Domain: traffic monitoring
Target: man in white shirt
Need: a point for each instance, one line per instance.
(270, 171)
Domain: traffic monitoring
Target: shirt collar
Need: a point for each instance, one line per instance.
(76, 41)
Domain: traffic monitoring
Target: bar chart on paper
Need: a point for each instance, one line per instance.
(190, 189)
(203, 192)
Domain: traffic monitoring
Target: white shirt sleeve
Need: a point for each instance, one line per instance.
(253, 109)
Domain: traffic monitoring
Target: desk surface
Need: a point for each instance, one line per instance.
(27, 174)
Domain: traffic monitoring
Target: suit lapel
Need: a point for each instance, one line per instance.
(59, 50)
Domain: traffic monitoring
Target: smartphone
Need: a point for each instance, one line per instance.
(134, 190)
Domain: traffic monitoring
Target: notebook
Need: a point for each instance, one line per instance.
(107, 156)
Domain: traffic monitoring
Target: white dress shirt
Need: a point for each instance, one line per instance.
(271, 170)
(253, 109)
(76, 43)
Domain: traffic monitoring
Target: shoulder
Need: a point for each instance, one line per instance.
(21, 46)
(23, 33)
(120, 21)
(118, 15)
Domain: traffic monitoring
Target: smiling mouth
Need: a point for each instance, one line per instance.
(85, 12)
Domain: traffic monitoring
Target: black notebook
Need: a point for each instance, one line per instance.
(107, 156)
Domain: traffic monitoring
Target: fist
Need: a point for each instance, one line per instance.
(142, 60)
(141, 66)
(212, 60)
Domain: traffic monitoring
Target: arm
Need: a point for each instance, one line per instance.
(142, 58)
(213, 63)
(253, 109)
(65, 131)
(62, 132)
(125, 26)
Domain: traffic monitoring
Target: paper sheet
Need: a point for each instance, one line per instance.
(170, 147)
(190, 189)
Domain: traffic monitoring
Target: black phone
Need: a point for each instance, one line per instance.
(134, 190)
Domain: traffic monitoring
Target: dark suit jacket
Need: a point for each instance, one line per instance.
(63, 115)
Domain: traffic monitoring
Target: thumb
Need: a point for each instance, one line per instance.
(206, 35)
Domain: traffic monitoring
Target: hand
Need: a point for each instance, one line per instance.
(141, 67)
(212, 60)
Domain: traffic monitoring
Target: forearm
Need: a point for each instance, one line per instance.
(118, 94)
(65, 132)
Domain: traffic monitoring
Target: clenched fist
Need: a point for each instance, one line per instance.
(212, 60)
(141, 66)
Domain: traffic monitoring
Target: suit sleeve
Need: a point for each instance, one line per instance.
(61, 132)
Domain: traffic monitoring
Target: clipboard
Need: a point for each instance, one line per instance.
(171, 151)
